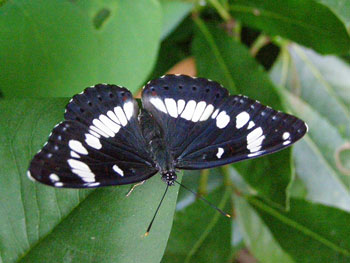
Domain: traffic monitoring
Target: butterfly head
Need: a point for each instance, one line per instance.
(169, 177)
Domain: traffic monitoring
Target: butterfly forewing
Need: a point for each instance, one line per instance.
(235, 128)
(99, 144)
(182, 106)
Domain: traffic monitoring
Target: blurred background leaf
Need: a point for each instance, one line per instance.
(317, 88)
(200, 234)
(57, 48)
(257, 236)
(339, 7)
(173, 14)
(304, 21)
(306, 233)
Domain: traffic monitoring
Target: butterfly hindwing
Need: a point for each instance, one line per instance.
(237, 127)
(99, 144)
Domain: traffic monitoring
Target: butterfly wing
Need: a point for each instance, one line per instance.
(213, 128)
(100, 143)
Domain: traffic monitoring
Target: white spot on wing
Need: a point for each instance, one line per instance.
(198, 111)
(54, 178)
(113, 117)
(94, 134)
(93, 184)
(189, 110)
(58, 184)
(220, 152)
(121, 116)
(93, 141)
(251, 125)
(180, 106)
(215, 114)
(285, 135)
(253, 154)
(75, 164)
(109, 123)
(82, 170)
(118, 170)
(97, 130)
(255, 145)
(158, 104)
(207, 112)
(87, 177)
(128, 109)
(77, 146)
(253, 135)
(74, 154)
(286, 142)
(171, 107)
(222, 120)
(103, 127)
(242, 119)
(29, 175)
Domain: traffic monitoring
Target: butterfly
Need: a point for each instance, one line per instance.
(184, 123)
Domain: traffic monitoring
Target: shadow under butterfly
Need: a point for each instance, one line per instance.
(184, 123)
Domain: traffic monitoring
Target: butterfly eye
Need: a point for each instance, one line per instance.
(194, 88)
(152, 89)
(99, 98)
(90, 103)
(111, 95)
(217, 95)
(82, 110)
(207, 90)
(122, 94)
(180, 87)
(166, 87)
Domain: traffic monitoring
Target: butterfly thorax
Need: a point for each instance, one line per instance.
(158, 149)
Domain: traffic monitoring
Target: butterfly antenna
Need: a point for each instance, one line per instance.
(160, 203)
(205, 200)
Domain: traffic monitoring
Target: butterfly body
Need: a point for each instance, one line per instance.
(184, 123)
(159, 151)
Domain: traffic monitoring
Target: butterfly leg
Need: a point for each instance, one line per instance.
(133, 187)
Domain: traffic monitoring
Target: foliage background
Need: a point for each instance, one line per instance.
(293, 55)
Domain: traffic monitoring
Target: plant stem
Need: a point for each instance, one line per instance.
(225, 15)
(261, 41)
(203, 183)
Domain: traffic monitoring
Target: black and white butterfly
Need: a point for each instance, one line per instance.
(184, 123)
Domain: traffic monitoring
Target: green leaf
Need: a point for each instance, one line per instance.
(173, 13)
(57, 48)
(200, 233)
(257, 236)
(304, 21)
(317, 89)
(219, 57)
(339, 7)
(174, 48)
(308, 232)
(43, 224)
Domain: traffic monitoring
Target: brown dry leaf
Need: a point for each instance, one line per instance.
(186, 67)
